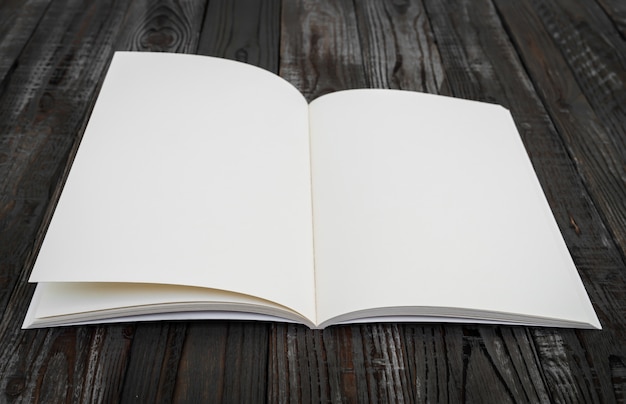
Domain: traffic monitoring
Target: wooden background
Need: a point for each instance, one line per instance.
(558, 65)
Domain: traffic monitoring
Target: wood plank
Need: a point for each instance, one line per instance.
(473, 363)
(570, 57)
(243, 30)
(436, 362)
(223, 362)
(20, 18)
(616, 12)
(152, 369)
(398, 47)
(595, 149)
(162, 26)
(574, 364)
(42, 112)
(320, 52)
(425, 75)
(578, 63)
(342, 363)
(69, 365)
(474, 355)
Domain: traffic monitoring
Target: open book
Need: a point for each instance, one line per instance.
(205, 188)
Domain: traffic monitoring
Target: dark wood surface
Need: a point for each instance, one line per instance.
(559, 66)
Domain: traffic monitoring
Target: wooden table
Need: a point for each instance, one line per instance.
(559, 66)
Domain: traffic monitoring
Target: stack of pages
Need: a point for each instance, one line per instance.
(205, 188)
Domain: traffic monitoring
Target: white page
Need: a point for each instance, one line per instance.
(101, 301)
(105, 296)
(195, 171)
(422, 200)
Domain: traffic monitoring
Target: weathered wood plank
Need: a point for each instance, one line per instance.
(428, 72)
(153, 364)
(70, 365)
(595, 150)
(162, 26)
(456, 48)
(579, 69)
(473, 363)
(435, 358)
(575, 365)
(342, 363)
(243, 30)
(42, 112)
(18, 22)
(223, 362)
(474, 355)
(399, 50)
(616, 11)
(320, 51)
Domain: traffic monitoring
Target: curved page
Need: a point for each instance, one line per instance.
(101, 301)
(428, 201)
(192, 171)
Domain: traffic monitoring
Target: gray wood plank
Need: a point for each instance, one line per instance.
(616, 12)
(162, 26)
(154, 357)
(555, 65)
(42, 113)
(475, 353)
(19, 20)
(398, 47)
(341, 363)
(579, 66)
(243, 30)
(223, 362)
(574, 364)
(320, 51)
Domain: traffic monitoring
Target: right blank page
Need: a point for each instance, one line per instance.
(430, 202)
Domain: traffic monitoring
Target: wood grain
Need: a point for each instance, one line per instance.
(19, 22)
(597, 257)
(320, 51)
(162, 26)
(243, 30)
(223, 363)
(43, 107)
(398, 47)
(576, 67)
(42, 111)
(558, 66)
(376, 353)
(153, 361)
(616, 12)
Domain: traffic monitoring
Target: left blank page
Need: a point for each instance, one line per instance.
(192, 171)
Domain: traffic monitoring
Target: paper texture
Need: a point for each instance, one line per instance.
(431, 201)
(192, 171)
